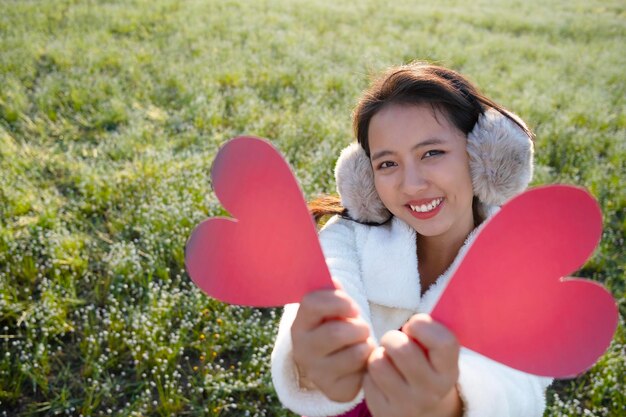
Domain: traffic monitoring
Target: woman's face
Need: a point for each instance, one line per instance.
(421, 169)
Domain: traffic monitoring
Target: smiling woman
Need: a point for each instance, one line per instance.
(434, 158)
(421, 172)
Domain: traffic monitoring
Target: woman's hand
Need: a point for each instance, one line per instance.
(414, 372)
(331, 344)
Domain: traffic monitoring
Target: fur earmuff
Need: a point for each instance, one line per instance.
(355, 185)
(501, 158)
(501, 166)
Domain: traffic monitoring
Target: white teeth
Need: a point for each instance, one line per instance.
(427, 207)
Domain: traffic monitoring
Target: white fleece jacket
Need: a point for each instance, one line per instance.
(377, 267)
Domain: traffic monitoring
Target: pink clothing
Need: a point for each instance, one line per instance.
(360, 410)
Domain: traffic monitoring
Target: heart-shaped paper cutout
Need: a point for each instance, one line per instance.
(507, 299)
(269, 254)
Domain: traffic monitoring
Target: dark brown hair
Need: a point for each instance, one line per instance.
(326, 205)
(421, 83)
(414, 84)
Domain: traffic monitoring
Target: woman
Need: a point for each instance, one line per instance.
(434, 158)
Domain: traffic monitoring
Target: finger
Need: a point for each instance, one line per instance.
(340, 374)
(326, 371)
(407, 357)
(349, 360)
(441, 344)
(387, 378)
(313, 350)
(334, 335)
(318, 306)
(347, 387)
(374, 398)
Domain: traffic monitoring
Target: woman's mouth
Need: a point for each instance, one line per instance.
(425, 209)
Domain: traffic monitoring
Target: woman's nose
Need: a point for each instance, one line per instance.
(413, 180)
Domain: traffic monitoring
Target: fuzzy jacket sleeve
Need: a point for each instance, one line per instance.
(338, 245)
(490, 389)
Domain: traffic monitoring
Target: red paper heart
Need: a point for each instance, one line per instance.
(269, 255)
(507, 299)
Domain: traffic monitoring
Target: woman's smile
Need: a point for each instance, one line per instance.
(426, 208)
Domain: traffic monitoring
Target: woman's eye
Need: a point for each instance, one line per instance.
(386, 164)
(434, 152)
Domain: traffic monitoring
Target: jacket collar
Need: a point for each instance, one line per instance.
(390, 266)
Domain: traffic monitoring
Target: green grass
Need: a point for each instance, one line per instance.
(111, 113)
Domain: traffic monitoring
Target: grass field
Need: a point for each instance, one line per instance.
(111, 113)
